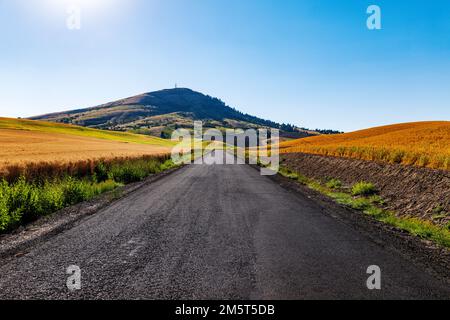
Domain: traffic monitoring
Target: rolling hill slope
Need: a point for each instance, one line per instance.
(424, 144)
(48, 127)
(159, 113)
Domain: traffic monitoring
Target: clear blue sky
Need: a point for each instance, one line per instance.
(313, 63)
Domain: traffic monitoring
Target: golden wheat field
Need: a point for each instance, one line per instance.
(423, 144)
(25, 142)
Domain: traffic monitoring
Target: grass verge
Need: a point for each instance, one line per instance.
(362, 196)
(24, 201)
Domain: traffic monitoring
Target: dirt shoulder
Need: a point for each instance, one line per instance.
(409, 191)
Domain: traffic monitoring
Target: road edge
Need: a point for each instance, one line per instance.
(18, 242)
(435, 259)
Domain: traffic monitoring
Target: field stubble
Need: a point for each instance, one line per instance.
(422, 144)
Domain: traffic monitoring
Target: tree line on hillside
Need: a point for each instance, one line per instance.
(227, 111)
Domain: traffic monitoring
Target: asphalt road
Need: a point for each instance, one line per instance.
(214, 232)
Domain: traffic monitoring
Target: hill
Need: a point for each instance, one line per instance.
(159, 113)
(424, 144)
(27, 141)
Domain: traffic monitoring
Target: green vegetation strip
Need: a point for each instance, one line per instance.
(24, 201)
(362, 196)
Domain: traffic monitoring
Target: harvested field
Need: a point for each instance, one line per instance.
(409, 191)
(421, 144)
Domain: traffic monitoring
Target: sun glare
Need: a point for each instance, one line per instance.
(83, 4)
(92, 11)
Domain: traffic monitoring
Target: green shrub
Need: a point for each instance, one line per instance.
(361, 204)
(24, 204)
(134, 171)
(4, 211)
(288, 173)
(376, 199)
(53, 198)
(76, 191)
(363, 189)
(168, 164)
(334, 184)
(127, 173)
(101, 172)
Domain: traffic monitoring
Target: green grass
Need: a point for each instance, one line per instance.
(23, 201)
(365, 201)
(50, 127)
(334, 184)
(363, 189)
(134, 171)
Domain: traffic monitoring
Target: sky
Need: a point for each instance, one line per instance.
(313, 63)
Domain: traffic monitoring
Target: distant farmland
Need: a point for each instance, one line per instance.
(423, 144)
(24, 141)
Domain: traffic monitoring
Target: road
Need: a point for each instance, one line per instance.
(214, 232)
